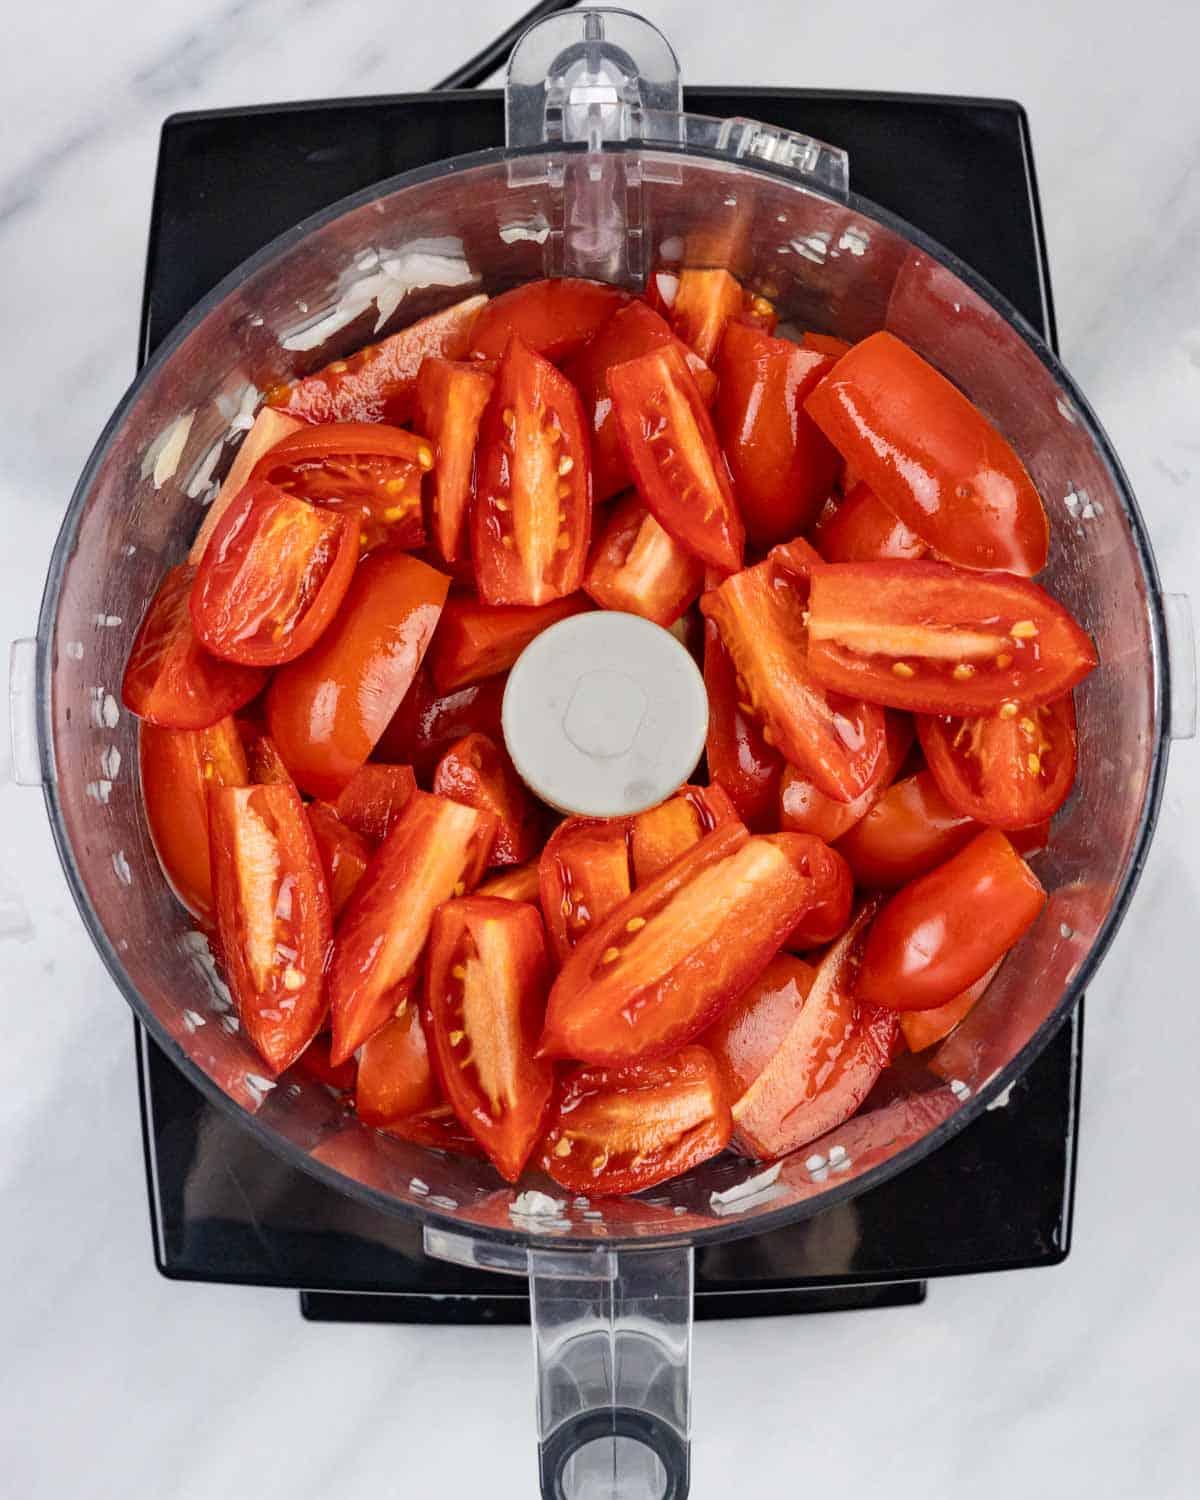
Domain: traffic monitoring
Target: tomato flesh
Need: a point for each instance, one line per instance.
(704, 302)
(750, 1031)
(374, 799)
(477, 772)
(584, 873)
(477, 640)
(862, 529)
(263, 760)
(345, 854)
(922, 1028)
(739, 759)
(660, 835)
(638, 567)
(911, 830)
(270, 427)
(825, 343)
(395, 1076)
(451, 399)
(803, 808)
(517, 883)
(554, 317)
(427, 723)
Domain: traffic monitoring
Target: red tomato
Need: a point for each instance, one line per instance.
(178, 767)
(583, 875)
(486, 983)
(326, 710)
(425, 725)
(273, 917)
(660, 967)
(661, 834)
(751, 1030)
(264, 761)
(827, 1063)
(395, 1077)
(377, 383)
(476, 640)
(782, 465)
(671, 448)
(703, 304)
(831, 900)
(272, 579)
(314, 1061)
(619, 1129)
(921, 1028)
(804, 809)
(761, 614)
(911, 830)
(450, 404)
(635, 329)
(437, 1127)
(170, 680)
(374, 798)
(518, 883)
(532, 518)
(945, 930)
(345, 854)
(738, 757)
(438, 849)
(932, 457)
(862, 529)
(553, 317)
(369, 473)
(477, 772)
(941, 640)
(638, 567)
(270, 427)
(825, 343)
(1012, 770)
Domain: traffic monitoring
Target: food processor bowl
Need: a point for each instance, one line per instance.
(604, 176)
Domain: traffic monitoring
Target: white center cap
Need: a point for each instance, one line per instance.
(604, 714)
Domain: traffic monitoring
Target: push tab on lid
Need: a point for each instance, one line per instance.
(605, 714)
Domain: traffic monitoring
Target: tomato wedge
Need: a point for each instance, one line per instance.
(921, 1028)
(739, 759)
(658, 836)
(272, 579)
(704, 302)
(477, 772)
(486, 984)
(170, 680)
(377, 384)
(518, 883)
(583, 875)
(619, 1129)
(270, 427)
(911, 830)
(671, 448)
(374, 799)
(932, 457)
(263, 760)
(438, 1128)
(367, 472)
(750, 1031)
(426, 724)
(178, 766)
(804, 809)
(659, 968)
(451, 399)
(825, 343)
(939, 639)
(638, 567)
(945, 930)
(532, 518)
(1012, 770)
(314, 1061)
(826, 1064)
(554, 317)
(863, 529)
(782, 465)
(326, 710)
(761, 615)
(634, 329)
(476, 640)
(274, 921)
(395, 1076)
(831, 900)
(436, 850)
(345, 854)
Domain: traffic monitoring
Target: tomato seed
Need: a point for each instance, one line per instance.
(902, 669)
(1008, 710)
(963, 671)
(1004, 660)
(1023, 630)
(563, 1147)
(566, 464)
(456, 1037)
(635, 924)
(609, 955)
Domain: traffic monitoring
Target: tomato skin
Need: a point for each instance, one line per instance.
(486, 982)
(638, 567)
(275, 952)
(326, 710)
(177, 768)
(922, 1028)
(554, 317)
(170, 680)
(426, 724)
(583, 874)
(516, 883)
(825, 343)
(1013, 770)
(932, 457)
(377, 383)
(943, 931)
(761, 615)
(749, 1031)
(435, 847)
(782, 465)
(476, 771)
(395, 1076)
(704, 302)
(831, 901)
(862, 529)
(660, 835)
(373, 800)
(263, 760)
(345, 854)
(631, 1126)
(476, 640)
(937, 639)
(911, 830)
(670, 446)
(739, 759)
(634, 329)
(805, 809)
(270, 427)
(451, 399)
(314, 1061)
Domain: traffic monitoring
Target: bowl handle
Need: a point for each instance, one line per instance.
(1181, 651)
(22, 711)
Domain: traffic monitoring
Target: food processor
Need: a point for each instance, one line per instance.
(604, 175)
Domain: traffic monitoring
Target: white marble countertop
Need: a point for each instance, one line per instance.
(1077, 1382)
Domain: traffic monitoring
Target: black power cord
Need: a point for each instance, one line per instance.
(495, 54)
